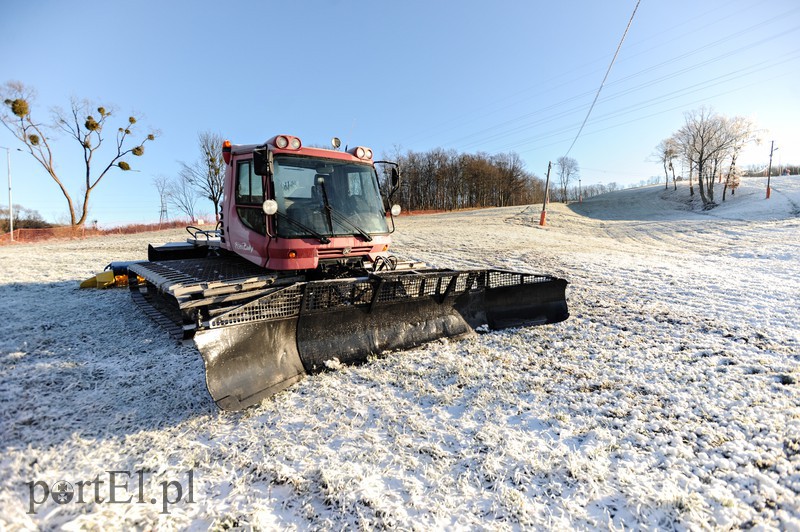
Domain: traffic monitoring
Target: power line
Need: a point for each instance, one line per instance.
(511, 129)
(510, 126)
(663, 98)
(613, 59)
(477, 112)
(486, 134)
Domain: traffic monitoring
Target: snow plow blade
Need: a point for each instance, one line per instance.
(260, 347)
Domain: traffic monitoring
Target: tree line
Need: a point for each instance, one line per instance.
(441, 179)
(779, 169)
(447, 180)
(444, 180)
(23, 219)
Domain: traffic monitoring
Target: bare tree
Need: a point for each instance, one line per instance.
(742, 132)
(666, 152)
(207, 173)
(84, 122)
(567, 168)
(183, 195)
(512, 177)
(706, 141)
(674, 181)
(703, 139)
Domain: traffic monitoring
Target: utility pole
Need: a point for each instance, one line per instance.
(161, 183)
(769, 168)
(543, 217)
(10, 205)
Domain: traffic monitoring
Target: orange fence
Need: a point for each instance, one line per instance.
(23, 236)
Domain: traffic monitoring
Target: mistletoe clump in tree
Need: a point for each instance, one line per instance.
(85, 123)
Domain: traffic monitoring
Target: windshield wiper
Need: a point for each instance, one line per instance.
(341, 218)
(322, 238)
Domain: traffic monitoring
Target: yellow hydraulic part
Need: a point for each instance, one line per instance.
(106, 279)
(101, 280)
(115, 274)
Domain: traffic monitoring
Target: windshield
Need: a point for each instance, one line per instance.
(333, 198)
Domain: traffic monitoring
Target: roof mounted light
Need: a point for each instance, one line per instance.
(362, 153)
(285, 142)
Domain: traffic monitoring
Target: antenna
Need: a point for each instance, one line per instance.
(350, 134)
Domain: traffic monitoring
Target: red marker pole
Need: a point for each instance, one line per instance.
(769, 169)
(543, 217)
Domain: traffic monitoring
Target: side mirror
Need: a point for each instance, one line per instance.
(262, 161)
(395, 179)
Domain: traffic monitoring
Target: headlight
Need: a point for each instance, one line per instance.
(270, 207)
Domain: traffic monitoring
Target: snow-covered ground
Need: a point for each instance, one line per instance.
(670, 398)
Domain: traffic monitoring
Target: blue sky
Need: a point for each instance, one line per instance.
(471, 76)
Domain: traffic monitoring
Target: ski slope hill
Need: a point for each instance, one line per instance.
(668, 400)
(746, 224)
(655, 203)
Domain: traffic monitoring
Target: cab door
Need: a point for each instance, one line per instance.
(247, 227)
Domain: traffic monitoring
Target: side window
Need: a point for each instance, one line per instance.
(249, 186)
(243, 182)
(253, 218)
(249, 197)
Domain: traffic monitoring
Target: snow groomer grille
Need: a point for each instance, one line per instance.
(378, 289)
(282, 303)
(499, 278)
